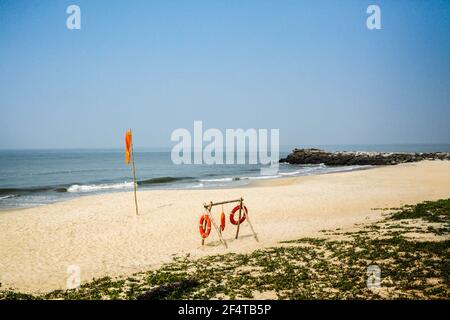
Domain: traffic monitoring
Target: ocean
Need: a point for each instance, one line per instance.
(35, 177)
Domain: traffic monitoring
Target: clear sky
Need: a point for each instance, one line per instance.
(310, 68)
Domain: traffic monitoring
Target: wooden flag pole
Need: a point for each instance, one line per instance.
(134, 175)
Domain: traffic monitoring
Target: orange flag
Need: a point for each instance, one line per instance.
(127, 146)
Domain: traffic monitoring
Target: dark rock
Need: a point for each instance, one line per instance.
(351, 158)
(165, 289)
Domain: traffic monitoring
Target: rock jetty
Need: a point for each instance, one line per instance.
(351, 158)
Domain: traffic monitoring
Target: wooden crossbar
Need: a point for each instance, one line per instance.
(212, 204)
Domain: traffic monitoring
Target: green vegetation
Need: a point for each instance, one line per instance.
(411, 247)
(431, 211)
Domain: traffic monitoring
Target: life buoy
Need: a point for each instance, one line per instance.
(205, 226)
(242, 217)
(222, 221)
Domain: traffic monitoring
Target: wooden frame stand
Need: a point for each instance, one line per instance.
(208, 208)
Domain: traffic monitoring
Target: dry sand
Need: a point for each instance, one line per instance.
(102, 235)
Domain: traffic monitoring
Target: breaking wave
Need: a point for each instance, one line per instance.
(99, 187)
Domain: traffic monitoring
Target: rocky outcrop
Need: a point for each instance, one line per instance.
(350, 158)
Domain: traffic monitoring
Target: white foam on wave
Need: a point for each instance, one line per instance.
(129, 185)
(8, 196)
(260, 177)
(289, 173)
(216, 180)
(99, 187)
(347, 168)
(200, 185)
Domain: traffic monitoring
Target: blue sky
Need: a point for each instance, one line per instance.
(310, 68)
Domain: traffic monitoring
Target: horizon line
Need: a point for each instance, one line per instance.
(163, 148)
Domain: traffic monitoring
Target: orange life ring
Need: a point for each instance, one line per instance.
(205, 226)
(222, 221)
(242, 217)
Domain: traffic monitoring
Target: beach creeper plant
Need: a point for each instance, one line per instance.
(410, 247)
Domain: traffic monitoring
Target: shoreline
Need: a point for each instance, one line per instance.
(290, 180)
(250, 183)
(102, 235)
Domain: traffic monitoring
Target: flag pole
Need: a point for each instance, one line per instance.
(134, 175)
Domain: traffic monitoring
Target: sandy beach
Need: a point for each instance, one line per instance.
(102, 235)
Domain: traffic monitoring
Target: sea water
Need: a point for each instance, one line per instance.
(35, 177)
